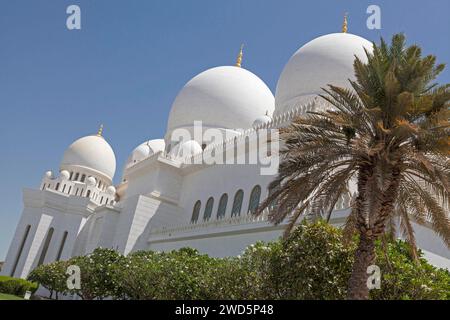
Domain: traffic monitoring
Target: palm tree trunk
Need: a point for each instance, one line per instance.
(364, 257)
(365, 253)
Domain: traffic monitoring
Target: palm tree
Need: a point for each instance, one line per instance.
(389, 136)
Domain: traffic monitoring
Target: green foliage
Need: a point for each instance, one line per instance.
(229, 279)
(51, 276)
(408, 280)
(259, 264)
(96, 273)
(16, 286)
(314, 262)
(182, 274)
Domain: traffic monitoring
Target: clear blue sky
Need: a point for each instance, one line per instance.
(126, 65)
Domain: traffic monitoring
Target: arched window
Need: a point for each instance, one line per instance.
(46, 245)
(61, 247)
(57, 187)
(254, 199)
(83, 178)
(88, 193)
(237, 203)
(222, 206)
(196, 211)
(64, 188)
(70, 189)
(19, 253)
(71, 175)
(208, 209)
(77, 175)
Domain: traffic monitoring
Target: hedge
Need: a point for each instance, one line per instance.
(16, 286)
(313, 263)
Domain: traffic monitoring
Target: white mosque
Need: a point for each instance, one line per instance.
(166, 202)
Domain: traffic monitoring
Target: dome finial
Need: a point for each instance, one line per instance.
(239, 58)
(100, 131)
(345, 24)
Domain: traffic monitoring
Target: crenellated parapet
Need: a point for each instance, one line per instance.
(79, 185)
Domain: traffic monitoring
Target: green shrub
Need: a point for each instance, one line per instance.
(404, 279)
(316, 263)
(16, 286)
(51, 276)
(259, 266)
(230, 279)
(97, 280)
(179, 274)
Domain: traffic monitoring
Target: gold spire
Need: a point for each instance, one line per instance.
(100, 131)
(239, 58)
(345, 24)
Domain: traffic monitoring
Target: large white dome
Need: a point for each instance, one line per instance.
(322, 61)
(225, 97)
(93, 153)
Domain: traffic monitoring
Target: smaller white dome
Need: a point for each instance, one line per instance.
(261, 120)
(49, 175)
(111, 190)
(92, 153)
(91, 181)
(65, 175)
(145, 150)
(140, 153)
(188, 148)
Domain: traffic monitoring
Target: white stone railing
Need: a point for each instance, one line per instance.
(78, 189)
(276, 122)
(342, 204)
(230, 221)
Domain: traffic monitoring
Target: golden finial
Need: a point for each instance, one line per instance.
(239, 58)
(100, 131)
(345, 24)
